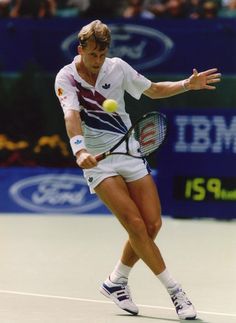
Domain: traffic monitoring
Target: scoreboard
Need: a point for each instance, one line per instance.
(205, 188)
(197, 165)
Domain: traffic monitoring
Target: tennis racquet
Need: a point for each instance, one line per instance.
(145, 136)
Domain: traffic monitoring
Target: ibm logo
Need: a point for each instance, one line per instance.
(200, 134)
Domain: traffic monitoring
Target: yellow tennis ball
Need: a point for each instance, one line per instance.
(110, 105)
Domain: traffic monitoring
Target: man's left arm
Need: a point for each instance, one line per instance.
(197, 81)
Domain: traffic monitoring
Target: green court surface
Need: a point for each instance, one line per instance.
(52, 267)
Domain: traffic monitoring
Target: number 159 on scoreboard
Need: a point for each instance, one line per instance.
(205, 188)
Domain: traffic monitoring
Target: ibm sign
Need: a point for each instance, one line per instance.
(214, 134)
(197, 166)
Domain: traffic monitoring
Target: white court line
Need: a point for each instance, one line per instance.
(104, 302)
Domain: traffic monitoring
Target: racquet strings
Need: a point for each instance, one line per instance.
(150, 132)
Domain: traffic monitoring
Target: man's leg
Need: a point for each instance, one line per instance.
(137, 207)
(129, 257)
(151, 214)
(115, 194)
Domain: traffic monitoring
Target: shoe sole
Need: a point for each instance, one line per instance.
(188, 318)
(105, 293)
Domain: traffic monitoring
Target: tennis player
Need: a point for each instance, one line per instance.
(123, 183)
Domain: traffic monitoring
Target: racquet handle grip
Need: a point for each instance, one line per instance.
(100, 157)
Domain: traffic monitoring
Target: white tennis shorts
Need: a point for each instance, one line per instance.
(129, 168)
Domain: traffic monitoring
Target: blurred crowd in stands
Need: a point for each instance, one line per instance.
(149, 9)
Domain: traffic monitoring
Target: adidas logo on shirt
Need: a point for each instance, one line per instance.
(106, 86)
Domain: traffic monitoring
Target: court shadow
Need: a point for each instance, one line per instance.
(197, 320)
(150, 317)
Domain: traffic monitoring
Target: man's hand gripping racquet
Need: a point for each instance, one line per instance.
(145, 136)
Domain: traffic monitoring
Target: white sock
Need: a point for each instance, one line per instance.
(120, 273)
(167, 280)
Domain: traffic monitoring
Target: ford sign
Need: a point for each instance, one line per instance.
(61, 193)
(140, 46)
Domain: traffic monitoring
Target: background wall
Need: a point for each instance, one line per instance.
(32, 132)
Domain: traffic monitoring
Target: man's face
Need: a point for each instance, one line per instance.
(93, 57)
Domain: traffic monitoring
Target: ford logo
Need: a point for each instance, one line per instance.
(140, 46)
(54, 194)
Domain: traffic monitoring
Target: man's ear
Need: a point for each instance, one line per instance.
(79, 49)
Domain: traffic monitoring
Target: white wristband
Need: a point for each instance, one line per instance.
(77, 143)
(183, 83)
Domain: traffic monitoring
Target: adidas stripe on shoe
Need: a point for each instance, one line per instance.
(183, 306)
(120, 295)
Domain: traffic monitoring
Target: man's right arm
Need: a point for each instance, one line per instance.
(74, 131)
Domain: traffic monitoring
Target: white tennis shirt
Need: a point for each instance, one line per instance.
(100, 129)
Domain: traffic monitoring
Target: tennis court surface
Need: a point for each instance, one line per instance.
(52, 267)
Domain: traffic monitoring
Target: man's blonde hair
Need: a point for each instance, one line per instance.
(96, 31)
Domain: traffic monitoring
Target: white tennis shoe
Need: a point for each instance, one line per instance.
(183, 306)
(120, 295)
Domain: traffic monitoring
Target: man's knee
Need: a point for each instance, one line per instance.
(137, 228)
(154, 227)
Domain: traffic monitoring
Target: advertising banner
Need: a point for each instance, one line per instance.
(47, 191)
(197, 166)
(150, 46)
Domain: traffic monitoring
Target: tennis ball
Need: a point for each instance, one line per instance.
(110, 105)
